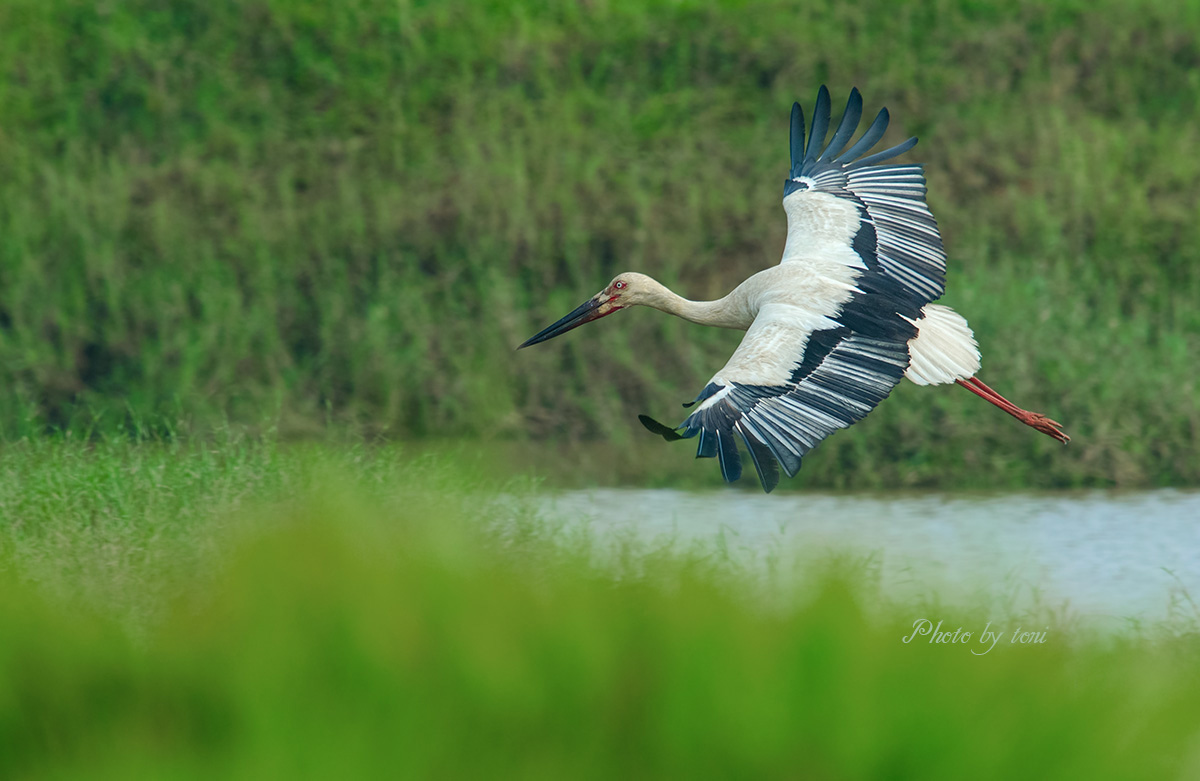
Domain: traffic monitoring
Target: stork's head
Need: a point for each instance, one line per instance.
(625, 290)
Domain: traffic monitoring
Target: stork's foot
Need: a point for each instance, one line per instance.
(1043, 424)
(1035, 420)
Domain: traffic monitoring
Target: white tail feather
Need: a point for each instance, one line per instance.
(944, 349)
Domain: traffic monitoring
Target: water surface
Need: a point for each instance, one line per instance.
(1094, 555)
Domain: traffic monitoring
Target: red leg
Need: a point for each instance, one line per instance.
(1033, 419)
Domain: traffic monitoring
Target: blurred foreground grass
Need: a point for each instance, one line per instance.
(252, 610)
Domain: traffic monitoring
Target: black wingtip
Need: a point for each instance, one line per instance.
(886, 154)
(764, 462)
(869, 139)
(846, 127)
(663, 430)
(820, 125)
(727, 454)
(797, 139)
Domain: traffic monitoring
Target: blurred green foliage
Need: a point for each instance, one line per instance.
(348, 214)
(314, 612)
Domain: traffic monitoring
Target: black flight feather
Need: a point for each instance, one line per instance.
(797, 139)
(846, 127)
(886, 154)
(731, 462)
(789, 461)
(869, 138)
(820, 126)
(764, 462)
(709, 391)
(663, 430)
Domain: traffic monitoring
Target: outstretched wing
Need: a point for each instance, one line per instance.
(898, 235)
(796, 379)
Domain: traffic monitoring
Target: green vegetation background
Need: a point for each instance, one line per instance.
(345, 215)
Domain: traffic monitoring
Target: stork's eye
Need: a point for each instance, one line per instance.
(620, 285)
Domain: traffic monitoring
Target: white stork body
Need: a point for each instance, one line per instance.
(834, 327)
(778, 304)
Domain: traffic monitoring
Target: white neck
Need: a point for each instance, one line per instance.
(727, 312)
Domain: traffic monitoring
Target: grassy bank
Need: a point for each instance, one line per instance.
(350, 213)
(254, 610)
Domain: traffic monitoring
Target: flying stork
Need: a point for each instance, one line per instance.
(834, 327)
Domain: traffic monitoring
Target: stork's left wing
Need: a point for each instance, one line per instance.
(892, 229)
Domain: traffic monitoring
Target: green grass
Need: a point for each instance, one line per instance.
(348, 214)
(254, 610)
(120, 522)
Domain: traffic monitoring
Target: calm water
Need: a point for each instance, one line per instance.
(1094, 555)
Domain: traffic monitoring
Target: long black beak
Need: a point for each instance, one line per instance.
(584, 313)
